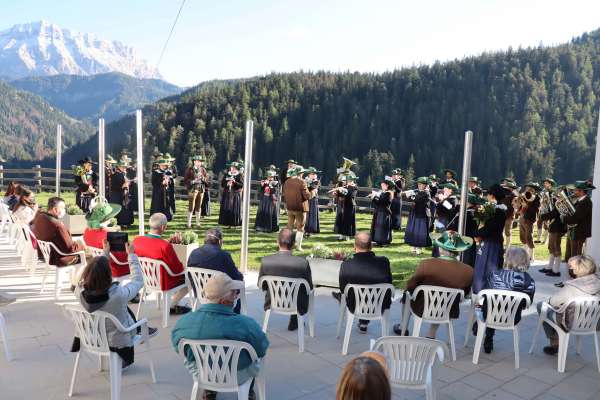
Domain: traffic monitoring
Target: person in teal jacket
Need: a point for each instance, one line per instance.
(216, 320)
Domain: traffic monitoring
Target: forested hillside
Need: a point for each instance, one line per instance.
(534, 113)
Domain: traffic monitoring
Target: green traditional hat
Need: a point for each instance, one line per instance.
(433, 178)
(291, 161)
(169, 157)
(510, 184)
(511, 180)
(163, 161)
(423, 179)
(450, 185)
(534, 185)
(352, 178)
(475, 200)
(550, 181)
(453, 172)
(292, 172)
(198, 158)
(451, 241)
(386, 179)
(270, 173)
(123, 163)
(312, 170)
(109, 160)
(397, 171)
(583, 185)
(102, 212)
(474, 179)
(272, 168)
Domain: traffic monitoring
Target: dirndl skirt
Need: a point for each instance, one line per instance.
(417, 231)
(489, 258)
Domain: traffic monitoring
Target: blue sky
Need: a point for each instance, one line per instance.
(233, 38)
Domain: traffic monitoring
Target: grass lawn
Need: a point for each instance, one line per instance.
(260, 244)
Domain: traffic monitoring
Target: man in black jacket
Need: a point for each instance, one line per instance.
(364, 268)
(283, 263)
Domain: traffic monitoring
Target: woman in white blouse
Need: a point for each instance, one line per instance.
(26, 208)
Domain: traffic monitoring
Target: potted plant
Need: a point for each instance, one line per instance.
(74, 220)
(184, 243)
(325, 265)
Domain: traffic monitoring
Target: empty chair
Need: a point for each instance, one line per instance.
(47, 248)
(197, 278)
(283, 292)
(29, 255)
(92, 333)
(368, 306)
(586, 312)
(217, 367)
(4, 338)
(151, 272)
(502, 307)
(438, 302)
(410, 361)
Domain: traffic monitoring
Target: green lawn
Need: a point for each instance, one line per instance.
(261, 244)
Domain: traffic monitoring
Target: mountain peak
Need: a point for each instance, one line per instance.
(43, 48)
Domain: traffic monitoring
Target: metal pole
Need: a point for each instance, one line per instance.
(466, 171)
(140, 169)
(246, 195)
(101, 158)
(592, 246)
(58, 158)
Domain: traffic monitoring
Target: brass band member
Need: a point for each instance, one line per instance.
(266, 217)
(381, 224)
(475, 187)
(109, 170)
(344, 196)
(195, 181)
(160, 189)
(313, 222)
(296, 196)
(171, 172)
(472, 221)
(542, 224)
(230, 212)
(433, 190)
(447, 208)
(417, 227)
(449, 177)
(556, 227)
(119, 193)
(86, 181)
(528, 204)
(510, 193)
(399, 185)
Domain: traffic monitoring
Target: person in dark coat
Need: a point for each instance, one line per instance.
(364, 268)
(529, 204)
(474, 186)
(446, 210)
(345, 218)
(230, 212)
(86, 181)
(556, 229)
(417, 227)
(433, 190)
(313, 222)
(490, 253)
(195, 180)
(381, 224)
(109, 170)
(171, 172)
(160, 190)
(266, 216)
(396, 207)
(510, 193)
(449, 177)
(471, 227)
(119, 193)
(284, 263)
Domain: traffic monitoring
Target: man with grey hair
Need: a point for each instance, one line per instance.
(153, 246)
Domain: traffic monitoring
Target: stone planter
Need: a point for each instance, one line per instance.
(75, 224)
(325, 272)
(183, 251)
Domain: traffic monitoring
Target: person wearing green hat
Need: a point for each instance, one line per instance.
(474, 204)
(344, 197)
(86, 181)
(267, 219)
(529, 205)
(545, 200)
(161, 180)
(296, 194)
(450, 177)
(510, 194)
(109, 170)
(381, 224)
(313, 220)
(555, 227)
(195, 181)
(120, 194)
(230, 211)
(474, 186)
(447, 208)
(417, 227)
(398, 188)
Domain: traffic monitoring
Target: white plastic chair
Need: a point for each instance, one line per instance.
(4, 337)
(217, 366)
(4, 217)
(473, 303)
(283, 292)
(90, 328)
(586, 312)
(438, 301)
(151, 272)
(197, 277)
(96, 252)
(29, 255)
(502, 307)
(368, 305)
(47, 248)
(410, 361)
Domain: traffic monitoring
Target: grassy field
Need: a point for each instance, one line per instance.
(260, 244)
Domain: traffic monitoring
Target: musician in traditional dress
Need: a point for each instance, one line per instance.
(86, 181)
(109, 170)
(160, 189)
(291, 165)
(313, 223)
(449, 177)
(295, 191)
(267, 219)
(345, 198)
(417, 227)
(119, 193)
(475, 186)
(381, 224)
(510, 194)
(446, 210)
(541, 224)
(472, 227)
(230, 212)
(555, 227)
(195, 181)
(399, 185)
(171, 172)
(528, 205)
(490, 251)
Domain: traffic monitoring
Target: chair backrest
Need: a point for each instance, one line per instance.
(216, 361)
(438, 301)
(410, 359)
(151, 272)
(46, 249)
(197, 279)
(283, 292)
(502, 306)
(368, 299)
(583, 313)
(90, 328)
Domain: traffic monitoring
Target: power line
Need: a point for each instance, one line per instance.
(162, 53)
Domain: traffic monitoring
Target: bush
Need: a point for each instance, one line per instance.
(322, 251)
(73, 209)
(185, 238)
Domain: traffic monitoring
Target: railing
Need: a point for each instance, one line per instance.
(44, 179)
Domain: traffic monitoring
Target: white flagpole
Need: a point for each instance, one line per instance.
(466, 171)
(140, 169)
(592, 246)
(101, 158)
(246, 195)
(58, 158)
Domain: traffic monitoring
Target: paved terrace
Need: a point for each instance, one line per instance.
(40, 338)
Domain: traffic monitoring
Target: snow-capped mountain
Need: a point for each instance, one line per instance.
(42, 48)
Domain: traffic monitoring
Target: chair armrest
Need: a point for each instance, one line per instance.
(171, 273)
(547, 307)
(140, 323)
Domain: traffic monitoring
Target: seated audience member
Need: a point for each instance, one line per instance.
(212, 256)
(364, 378)
(153, 246)
(512, 277)
(584, 282)
(216, 320)
(445, 271)
(284, 263)
(25, 209)
(97, 292)
(10, 197)
(95, 234)
(364, 268)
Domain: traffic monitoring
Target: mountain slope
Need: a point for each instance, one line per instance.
(41, 48)
(109, 95)
(28, 126)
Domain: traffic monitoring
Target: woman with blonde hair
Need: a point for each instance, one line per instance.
(364, 378)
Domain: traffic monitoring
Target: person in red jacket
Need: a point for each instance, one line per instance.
(152, 246)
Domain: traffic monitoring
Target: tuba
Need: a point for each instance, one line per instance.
(345, 169)
(546, 205)
(563, 203)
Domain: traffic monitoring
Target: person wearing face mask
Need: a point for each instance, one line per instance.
(26, 208)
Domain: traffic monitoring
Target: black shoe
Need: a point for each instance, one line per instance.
(293, 324)
(72, 288)
(126, 365)
(550, 273)
(559, 284)
(209, 395)
(488, 344)
(362, 327)
(252, 395)
(544, 270)
(337, 296)
(179, 310)
(474, 328)
(136, 299)
(551, 350)
(152, 332)
(398, 330)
